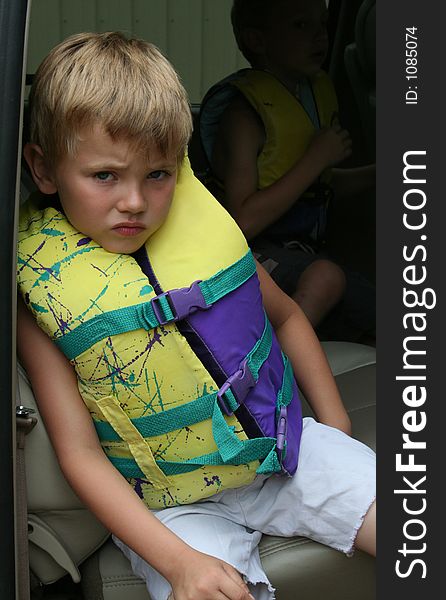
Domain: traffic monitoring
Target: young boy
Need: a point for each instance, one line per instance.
(273, 148)
(155, 369)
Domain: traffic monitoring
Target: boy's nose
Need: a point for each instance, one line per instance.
(132, 200)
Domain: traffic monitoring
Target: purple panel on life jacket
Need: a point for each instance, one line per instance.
(218, 331)
(219, 328)
(258, 400)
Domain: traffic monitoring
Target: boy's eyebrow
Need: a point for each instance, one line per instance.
(107, 164)
(115, 164)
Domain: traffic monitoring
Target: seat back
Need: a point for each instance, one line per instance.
(62, 533)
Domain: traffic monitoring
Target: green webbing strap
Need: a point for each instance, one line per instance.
(253, 450)
(285, 394)
(163, 422)
(195, 411)
(143, 316)
(261, 350)
(271, 464)
(236, 451)
(121, 320)
(230, 446)
(229, 279)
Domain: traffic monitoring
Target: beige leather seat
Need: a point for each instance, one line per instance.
(65, 538)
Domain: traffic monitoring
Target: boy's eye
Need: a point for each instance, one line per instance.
(103, 175)
(160, 174)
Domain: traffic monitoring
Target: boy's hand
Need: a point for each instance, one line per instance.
(203, 577)
(331, 145)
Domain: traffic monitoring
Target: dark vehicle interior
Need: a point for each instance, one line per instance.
(71, 555)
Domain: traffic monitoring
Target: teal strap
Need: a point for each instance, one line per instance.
(270, 465)
(121, 320)
(163, 422)
(228, 444)
(231, 450)
(229, 279)
(285, 394)
(145, 316)
(252, 450)
(261, 350)
(234, 390)
(195, 411)
(129, 467)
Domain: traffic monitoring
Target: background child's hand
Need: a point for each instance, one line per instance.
(203, 577)
(331, 145)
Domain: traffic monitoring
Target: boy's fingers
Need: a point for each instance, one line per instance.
(233, 574)
(233, 591)
(237, 580)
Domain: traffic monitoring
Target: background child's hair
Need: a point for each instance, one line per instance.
(125, 85)
(247, 14)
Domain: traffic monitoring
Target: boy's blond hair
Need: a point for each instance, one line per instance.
(125, 85)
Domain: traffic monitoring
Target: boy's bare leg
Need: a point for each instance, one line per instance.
(320, 287)
(366, 538)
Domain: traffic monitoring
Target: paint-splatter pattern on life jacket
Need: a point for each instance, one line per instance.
(175, 359)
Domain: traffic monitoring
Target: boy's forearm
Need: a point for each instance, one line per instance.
(313, 372)
(264, 207)
(92, 476)
(299, 342)
(109, 496)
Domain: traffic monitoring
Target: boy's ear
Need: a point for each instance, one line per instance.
(39, 168)
(253, 40)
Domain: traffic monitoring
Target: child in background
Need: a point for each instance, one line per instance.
(272, 135)
(171, 408)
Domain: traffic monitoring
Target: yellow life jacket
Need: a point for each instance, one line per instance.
(131, 326)
(288, 127)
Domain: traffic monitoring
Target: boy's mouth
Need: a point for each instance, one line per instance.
(129, 229)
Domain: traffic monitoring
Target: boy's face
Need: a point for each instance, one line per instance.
(295, 39)
(112, 192)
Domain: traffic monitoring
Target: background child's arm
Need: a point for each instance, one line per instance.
(239, 142)
(100, 486)
(299, 342)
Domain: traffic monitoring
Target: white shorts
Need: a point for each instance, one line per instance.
(326, 500)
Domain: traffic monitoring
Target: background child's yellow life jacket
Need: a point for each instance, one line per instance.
(175, 358)
(288, 127)
(290, 123)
